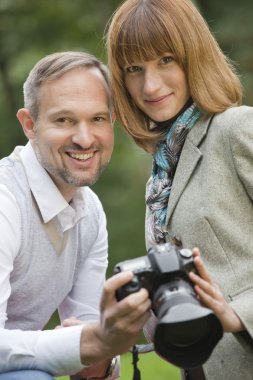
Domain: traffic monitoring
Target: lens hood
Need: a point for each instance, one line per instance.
(187, 334)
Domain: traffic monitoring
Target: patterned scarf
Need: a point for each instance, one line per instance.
(165, 161)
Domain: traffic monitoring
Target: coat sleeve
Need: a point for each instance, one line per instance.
(241, 144)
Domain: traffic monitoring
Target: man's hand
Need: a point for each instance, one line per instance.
(210, 295)
(96, 370)
(120, 322)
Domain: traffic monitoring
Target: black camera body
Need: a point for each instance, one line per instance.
(163, 264)
(186, 332)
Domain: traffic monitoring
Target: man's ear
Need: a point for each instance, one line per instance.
(27, 122)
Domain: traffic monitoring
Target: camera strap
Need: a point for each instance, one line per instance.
(142, 349)
(137, 372)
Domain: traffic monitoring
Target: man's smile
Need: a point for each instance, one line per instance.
(81, 156)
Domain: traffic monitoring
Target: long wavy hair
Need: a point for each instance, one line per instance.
(141, 30)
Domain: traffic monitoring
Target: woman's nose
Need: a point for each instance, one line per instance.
(152, 82)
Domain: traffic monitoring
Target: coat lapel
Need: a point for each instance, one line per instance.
(189, 158)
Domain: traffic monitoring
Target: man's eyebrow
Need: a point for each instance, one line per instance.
(102, 113)
(67, 112)
(60, 112)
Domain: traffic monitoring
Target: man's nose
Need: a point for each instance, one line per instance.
(83, 134)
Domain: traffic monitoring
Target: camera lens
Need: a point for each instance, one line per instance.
(186, 332)
(184, 326)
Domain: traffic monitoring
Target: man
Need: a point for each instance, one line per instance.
(53, 251)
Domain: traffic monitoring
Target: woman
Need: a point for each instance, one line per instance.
(178, 96)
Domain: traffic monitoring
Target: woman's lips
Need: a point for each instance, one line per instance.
(157, 100)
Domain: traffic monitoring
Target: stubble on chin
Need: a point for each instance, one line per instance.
(66, 176)
(84, 179)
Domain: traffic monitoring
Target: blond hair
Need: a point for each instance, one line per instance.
(141, 30)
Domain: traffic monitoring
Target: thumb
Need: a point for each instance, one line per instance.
(110, 287)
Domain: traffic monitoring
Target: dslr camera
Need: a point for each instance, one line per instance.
(186, 332)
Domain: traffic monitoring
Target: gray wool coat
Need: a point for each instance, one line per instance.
(211, 207)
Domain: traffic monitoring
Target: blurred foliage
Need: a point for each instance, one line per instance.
(30, 29)
(231, 24)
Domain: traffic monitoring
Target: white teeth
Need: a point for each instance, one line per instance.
(81, 156)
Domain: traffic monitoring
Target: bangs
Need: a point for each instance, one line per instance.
(142, 38)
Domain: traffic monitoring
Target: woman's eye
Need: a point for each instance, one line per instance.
(132, 69)
(167, 59)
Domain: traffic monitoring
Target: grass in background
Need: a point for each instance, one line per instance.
(151, 367)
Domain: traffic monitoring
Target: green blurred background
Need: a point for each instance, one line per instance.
(30, 29)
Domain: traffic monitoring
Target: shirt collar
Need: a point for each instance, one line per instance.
(49, 199)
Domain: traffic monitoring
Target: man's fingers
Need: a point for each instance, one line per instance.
(129, 319)
(71, 321)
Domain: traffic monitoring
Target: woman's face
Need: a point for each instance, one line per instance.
(158, 87)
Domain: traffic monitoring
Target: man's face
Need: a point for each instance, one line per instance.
(73, 137)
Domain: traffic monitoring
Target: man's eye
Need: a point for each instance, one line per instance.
(62, 120)
(132, 69)
(102, 119)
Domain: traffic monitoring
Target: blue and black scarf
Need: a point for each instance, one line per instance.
(165, 160)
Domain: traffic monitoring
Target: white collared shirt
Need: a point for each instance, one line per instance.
(56, 351)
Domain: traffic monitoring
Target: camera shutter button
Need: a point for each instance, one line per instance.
(186, 253)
